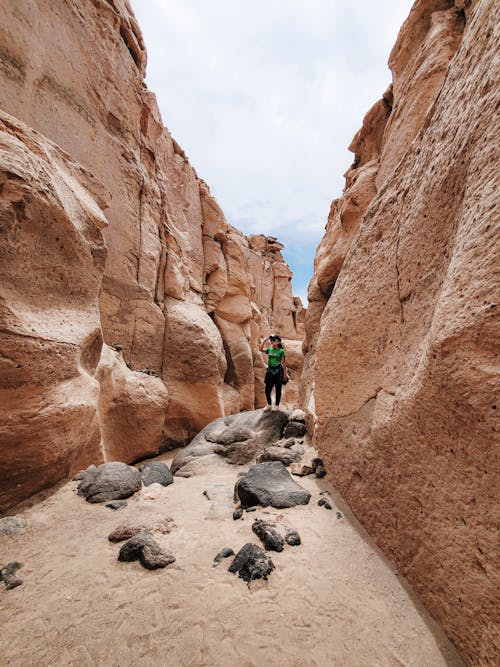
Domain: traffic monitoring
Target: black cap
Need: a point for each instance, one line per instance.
(275, 338)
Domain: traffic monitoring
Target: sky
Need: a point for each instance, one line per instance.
(265, 97)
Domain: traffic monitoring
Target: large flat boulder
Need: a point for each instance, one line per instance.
(237, 437)
(109, 481)
(270, 483)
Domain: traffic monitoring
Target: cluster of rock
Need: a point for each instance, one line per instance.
(131, 310)
(244, 437)
(402, 347)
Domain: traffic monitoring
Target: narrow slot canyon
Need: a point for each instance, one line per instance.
(159, 505)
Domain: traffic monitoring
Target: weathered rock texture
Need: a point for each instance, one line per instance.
(178, 295)
(402, 327)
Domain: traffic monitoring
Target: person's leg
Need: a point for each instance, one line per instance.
(268, 385)
(278, 386)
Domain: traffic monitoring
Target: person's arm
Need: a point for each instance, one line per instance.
(262, 347)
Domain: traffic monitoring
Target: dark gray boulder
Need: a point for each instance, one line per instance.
(294, 430)
(144, 548)
(251, 562)
(109, 481)
(268, 535)
(237, 438)
(270, 484)
(156, 472)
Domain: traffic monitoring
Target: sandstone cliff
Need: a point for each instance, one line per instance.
(131, 309)
(401, 371)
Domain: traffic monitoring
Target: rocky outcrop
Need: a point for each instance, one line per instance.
(131, 309)
(401, 372)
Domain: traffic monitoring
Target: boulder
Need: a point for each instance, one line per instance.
(268, 535)
(292, 537)
(297, 415)
(236, 437)
(273, 453)
(156, 472)
(144, 548)
(251, 562)
(294, 430)
(161, 525)
(270, 484)
(109, 481)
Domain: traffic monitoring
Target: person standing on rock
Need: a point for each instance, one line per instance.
(276, 374)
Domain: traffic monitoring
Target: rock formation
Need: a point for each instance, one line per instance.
(401, 370)
(131, 310)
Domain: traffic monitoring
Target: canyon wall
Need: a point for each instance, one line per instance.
(131, 309)
(402, 350)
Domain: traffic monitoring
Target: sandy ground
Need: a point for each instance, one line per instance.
(333, 600)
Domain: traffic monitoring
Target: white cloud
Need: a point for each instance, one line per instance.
(265, 98)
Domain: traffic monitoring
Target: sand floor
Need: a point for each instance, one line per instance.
(334, 600)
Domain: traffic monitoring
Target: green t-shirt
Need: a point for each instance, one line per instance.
(274, 356)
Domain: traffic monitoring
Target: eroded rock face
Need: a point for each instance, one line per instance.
(406, 373)
(51, 264)
(167, 238)
(124, 332)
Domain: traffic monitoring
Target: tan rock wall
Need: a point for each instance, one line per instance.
(178, 291)
(403, 333)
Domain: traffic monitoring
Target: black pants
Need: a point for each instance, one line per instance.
(274, 378)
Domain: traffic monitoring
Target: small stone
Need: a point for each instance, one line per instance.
(184, 473)
(251, 562)
(300, 470)
(268, 535)
(292, 537)
(224, 553)
(321, 501)
(315, 463)
(117, 504)
(11, 525)
(289, 442)
(147, 551)
(327, 506)
(8, 575)
(251, 509)
(339, 515)
(320, 472)
(237, 514)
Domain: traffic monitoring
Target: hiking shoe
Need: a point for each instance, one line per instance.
(267, 408)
